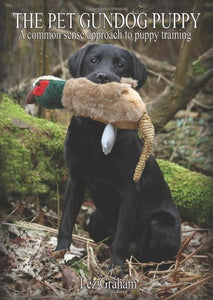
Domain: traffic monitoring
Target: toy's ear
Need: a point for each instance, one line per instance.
(139, 70)
(75, 61)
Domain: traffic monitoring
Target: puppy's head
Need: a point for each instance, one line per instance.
(106, 63)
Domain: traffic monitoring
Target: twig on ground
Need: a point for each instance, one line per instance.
(92, 265)
(191, 254)
(129, 262)
(150, 264)
(35, 226)
(171, 286)
(160, 272)
(196, 229)
(45, 283)
(190, 287)
(191, 278)
(177, 262)
(58, 198)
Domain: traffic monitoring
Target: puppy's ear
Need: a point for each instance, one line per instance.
(139, 70)
(75, 61)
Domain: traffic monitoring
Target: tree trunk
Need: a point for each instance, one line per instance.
(177, 95)
(189, 79)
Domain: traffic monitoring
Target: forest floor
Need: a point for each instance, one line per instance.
(31, 269)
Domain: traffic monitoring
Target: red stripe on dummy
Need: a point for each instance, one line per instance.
(40, 87)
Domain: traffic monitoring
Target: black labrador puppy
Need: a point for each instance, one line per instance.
(141, 218)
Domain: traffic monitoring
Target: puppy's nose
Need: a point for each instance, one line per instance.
(102, 77)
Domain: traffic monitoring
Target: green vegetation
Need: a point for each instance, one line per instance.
(198, 68)
(31, 154)
(192, 192)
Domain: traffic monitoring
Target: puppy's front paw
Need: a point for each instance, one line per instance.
(63, 245)
(115, 271)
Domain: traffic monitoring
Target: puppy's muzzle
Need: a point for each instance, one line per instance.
(103, 77)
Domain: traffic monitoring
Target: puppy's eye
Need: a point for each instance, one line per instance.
(93, 60)
(120, 64)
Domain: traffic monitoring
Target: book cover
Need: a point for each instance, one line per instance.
(167, 48)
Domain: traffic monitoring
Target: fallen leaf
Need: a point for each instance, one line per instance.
(77, 251)
(40, 217)
(70, 279)
(21, 285)
(6, 261)
(68, 257)
(19, 209)
(58, 254)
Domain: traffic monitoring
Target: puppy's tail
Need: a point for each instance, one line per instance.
(147, 132)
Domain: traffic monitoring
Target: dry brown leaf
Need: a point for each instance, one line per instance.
(58, 254)
(70, 279)
(40, 217)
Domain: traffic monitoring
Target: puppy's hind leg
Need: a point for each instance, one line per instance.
(99, 229)
(161, 239)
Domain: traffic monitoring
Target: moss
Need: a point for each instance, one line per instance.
(192, 192)
(31, 154)
(198, 68)
(79, 265)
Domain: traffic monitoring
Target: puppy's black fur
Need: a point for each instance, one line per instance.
(140, 218)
